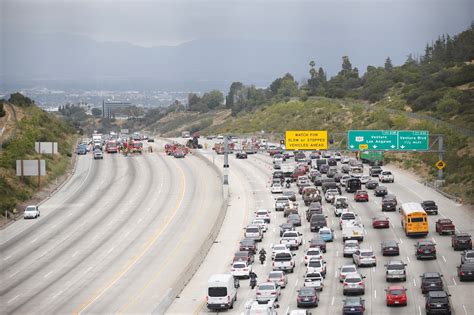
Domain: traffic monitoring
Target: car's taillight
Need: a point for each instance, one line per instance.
(420, 250)
(345, 284)
(360, 283)
(461, 273)
(233, 269)
(273, 293)
(273, 264)
(258, 293)
(245, 269)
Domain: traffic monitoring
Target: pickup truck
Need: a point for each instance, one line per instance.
(284, 261)
(445, 226)
(353, 232)
(430, 207)
(292, 239)
(386, 177)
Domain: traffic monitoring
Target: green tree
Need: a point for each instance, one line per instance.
(96, 112)
(388, 65)
(2, 110)
(213, 99)
(20, 100)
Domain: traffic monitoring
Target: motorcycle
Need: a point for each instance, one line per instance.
(253, 283)
(262, 258)
(287, 184)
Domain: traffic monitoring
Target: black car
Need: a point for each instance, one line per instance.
(390, 248)
(353, 305)
(337, 177)
(425, 249)
(389, 203)
(430, 207)
(466, 272)
(314, 208)
(290, 194)
(380, 191)
(374, 171)
(284, 227)
(317, 241)
(317, 221)
(332, 162)
(461, 241)
(345, 169)
(431, 281)
(371, 184)
(307, 297)
(241, 155)
(437, 302)
(248, 244)
(294, 218)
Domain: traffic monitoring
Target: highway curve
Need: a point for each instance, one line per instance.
(114, 239)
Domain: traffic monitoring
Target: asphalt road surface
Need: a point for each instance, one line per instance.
(114, 239)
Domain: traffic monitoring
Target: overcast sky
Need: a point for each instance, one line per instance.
(154, 23)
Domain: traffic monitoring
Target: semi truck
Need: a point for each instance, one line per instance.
(372, 157)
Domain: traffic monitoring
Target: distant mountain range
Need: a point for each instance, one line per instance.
(65, 61)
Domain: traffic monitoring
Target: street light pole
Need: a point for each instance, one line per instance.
(226, 160)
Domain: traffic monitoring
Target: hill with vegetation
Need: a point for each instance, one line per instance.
(30, 124)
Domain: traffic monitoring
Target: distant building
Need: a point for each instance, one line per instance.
(109, 106)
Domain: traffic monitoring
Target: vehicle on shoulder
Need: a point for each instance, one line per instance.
(278, 277)
(350, 247)
(380, 191)
(241, 269)
(396, 295)
(461, 241)
(466, 272)
(284, 261)
(380, 222)
(371, 184)
(286, 227)
(431, 281)
(253, 231)
(353, 305)
(277, 188)
(263, 214)
(445, 226)
(467, 256)
(437, 302)
(386, 177)
(240, 155)
(346, 270)
(425, 249)
(248, 244)
(390, 248)
(353, 284)
(364, 257)
(389, 203)
(317, 241)
(361, 195)
(395, 270)
(307, 297)
(221, 292)
(314, 280)
(31, 212)
(375, 171)
(326, 234)
(430, 207)
(267, 291)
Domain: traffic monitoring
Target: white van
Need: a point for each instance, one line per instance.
(221, 292)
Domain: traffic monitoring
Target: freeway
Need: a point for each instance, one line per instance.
(115, 239)
(249, 182)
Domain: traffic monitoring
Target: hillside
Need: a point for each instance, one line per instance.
(24, 124)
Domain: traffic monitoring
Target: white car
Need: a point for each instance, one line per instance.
(350, 247)
(261, 223)
(345, 270)
(267, 291)
(31, 212)
(313, 252)
(331, 194)
(254, 231)
(277, 188)
(344, 179)
(314, 280)
(240, 269)
(347, 218)
(302, 180)
(364, 257)
(292, 238)
(278, 277)
(386, 177)
(316, 265)
(345, 160)
(364, 179)
(279, 248)
(263, 214)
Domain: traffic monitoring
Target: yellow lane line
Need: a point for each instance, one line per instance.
(151, 241)
(152, 280)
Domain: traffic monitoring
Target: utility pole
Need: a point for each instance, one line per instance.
(226, 160)
(440, 181)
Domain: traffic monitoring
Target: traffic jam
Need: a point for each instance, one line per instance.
(321, 201)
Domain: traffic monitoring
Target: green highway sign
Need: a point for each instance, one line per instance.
(388, 140)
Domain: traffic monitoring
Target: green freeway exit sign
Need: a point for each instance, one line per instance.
(390, 140)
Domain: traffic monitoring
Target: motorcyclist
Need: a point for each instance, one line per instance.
(263, 255)
(288, 182)
(253, 279)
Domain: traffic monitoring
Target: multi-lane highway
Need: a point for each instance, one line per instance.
(115, 239)
(250, 189)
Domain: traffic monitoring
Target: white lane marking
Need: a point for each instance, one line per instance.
(148, 209)
(47, 275)
(337, 253)
(11, 300)
(465, 311)
(335, 274)
(274, 229)
(296, 283)
(375, 294)
(454, 281)
(13, 274)
(287, 310)
(110, 223)
(126, 234)
(408, 258)
(53, 226)
(34, 240)
(56, 294)
(70, 214)
(6, 258)
(414, 282)
(88, 269)
(332, 300)
(401, 242)
(392, 225)
(433, 239)
(110, 250)
(443, 258)
(139, 220)
(373, 269)
(419, 309)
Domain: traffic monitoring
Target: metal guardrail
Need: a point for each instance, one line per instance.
(447, 195)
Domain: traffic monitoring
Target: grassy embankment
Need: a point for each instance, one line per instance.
(35, 125)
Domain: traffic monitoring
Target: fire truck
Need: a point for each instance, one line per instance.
(111, 147)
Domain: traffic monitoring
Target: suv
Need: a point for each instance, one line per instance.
(461, 241)
(467, 256)
(425, 249)
(254, 231)
(389, 203)
(317, 221)
(466, 272)
(431, 281)
(364, 257)
(31, 212)
(374, 171)
(395, 270)
(354, 283)
(353, 305)
(281, 203)
(386, 177)
(437, 302)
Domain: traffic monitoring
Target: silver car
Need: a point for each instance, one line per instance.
(353, 283)
(364, 257)
(395, 270)
(31, 212)
(278, 277)
(267, 291)
(350, 247)
(345, 271)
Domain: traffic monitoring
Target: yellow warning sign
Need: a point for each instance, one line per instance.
(306, 139)
(440, 164)
(363, 146)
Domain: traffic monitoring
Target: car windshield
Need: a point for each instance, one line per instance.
(348, 269)
(306, 292)
(366, 254)
(396, 267)
(396, 292)
(30, 208)
(239, 265)
(353, 280)
(252, 230)
(266, 287)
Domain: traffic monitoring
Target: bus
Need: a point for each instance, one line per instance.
(414, 219)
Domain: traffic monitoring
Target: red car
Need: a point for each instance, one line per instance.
(380, 222)
(396, 295)
(361, 195)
